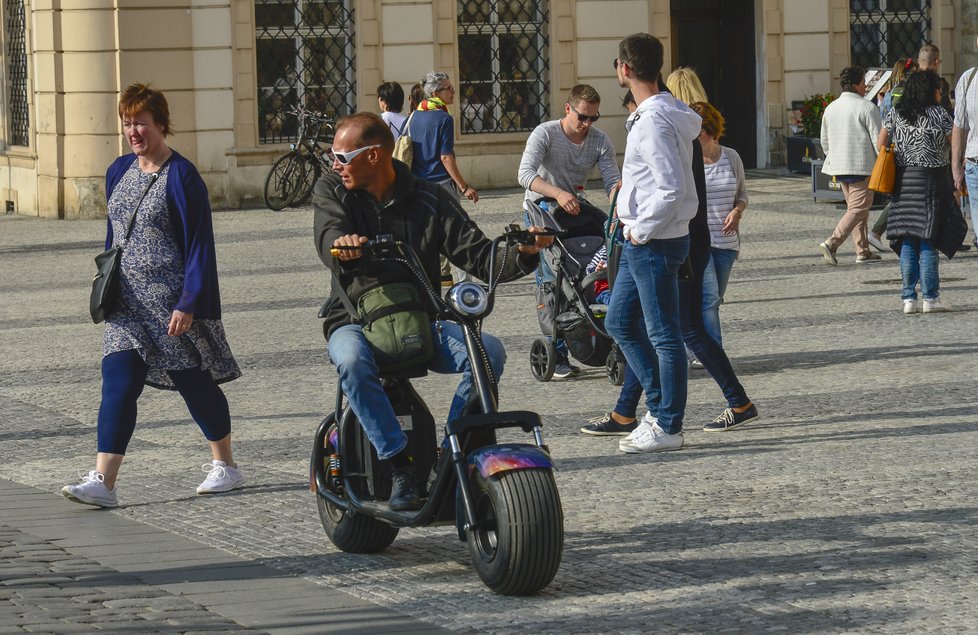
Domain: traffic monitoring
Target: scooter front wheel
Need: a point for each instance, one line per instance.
(349, 531)
(517, 545)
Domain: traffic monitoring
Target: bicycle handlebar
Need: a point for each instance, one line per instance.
(302, 113)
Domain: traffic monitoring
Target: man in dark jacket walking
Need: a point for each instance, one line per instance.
(370, 194)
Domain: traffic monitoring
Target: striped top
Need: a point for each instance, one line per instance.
(722, 190)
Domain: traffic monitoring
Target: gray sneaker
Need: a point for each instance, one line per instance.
(876, 242)
(563, 370)
(829, 254)
(91, 491)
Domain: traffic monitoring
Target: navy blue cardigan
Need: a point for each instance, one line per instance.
(190, 214)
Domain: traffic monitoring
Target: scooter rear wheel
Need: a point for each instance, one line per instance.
(517, 546)
(349, 531)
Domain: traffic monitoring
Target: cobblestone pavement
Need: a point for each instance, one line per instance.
(849, 507)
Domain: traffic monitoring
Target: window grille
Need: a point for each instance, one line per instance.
(18, 115)
(305, 53)
(882, 31)
(504, 83)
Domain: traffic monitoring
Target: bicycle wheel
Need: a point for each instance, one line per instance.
(310, 173)
(282, 183)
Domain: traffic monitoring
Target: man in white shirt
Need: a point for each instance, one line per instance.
(964, 141)
(656, 202)
(850, 127)
(557, 160)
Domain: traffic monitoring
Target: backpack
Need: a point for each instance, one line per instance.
(404, 146)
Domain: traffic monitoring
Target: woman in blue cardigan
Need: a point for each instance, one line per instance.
(165, 329)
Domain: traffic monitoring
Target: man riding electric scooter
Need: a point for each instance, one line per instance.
(369, 194)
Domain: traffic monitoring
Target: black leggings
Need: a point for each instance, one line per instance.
(123, 379)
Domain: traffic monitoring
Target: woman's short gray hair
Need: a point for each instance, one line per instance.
(433, 82)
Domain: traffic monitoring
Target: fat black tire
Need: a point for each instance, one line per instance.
(517, 546)
(543, 359)
(352, 532)
(282, 182)
(310, 174)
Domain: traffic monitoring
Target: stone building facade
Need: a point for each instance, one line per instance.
(230, 67)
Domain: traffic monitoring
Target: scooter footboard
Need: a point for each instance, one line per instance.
(505, 457)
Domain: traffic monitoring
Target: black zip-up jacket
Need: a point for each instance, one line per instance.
(422, 214)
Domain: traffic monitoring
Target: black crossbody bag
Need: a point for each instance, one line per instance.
(105, 284)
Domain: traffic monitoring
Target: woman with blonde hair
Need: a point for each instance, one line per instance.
(685, 85)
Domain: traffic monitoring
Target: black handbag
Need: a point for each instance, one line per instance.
(105, 284)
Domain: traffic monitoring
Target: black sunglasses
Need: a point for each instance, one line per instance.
(615, 62)
(585, 118)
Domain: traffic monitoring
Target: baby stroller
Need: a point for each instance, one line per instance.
(566, 306)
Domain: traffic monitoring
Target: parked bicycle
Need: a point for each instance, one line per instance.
(295, 172)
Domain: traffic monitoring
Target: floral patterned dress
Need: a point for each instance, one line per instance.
(151, 282)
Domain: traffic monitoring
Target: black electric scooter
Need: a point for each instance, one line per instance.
(501, 497)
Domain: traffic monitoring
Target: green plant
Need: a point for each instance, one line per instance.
(811, 114)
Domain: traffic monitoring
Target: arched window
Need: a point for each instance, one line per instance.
(504, 69)
(305, 53)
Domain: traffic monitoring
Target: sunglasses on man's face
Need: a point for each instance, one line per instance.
(346, 157)
(585, 118)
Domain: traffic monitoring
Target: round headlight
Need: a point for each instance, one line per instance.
(468, 298)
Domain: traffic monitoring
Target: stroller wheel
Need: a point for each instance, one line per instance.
(543, 358)
(615, 368)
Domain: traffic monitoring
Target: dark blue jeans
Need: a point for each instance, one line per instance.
(123, 380)
(708, 350)
(643, 317)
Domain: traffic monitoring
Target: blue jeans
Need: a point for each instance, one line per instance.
(360, 379)
(715, 280)
(918, 261)
(647, 286)
(971, 180)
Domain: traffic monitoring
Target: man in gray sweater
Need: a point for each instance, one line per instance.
(557, 160)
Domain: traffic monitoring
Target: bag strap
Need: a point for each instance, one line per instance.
(344, 298)
(406, 131)
(152, 179)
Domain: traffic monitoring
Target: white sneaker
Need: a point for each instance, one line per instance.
(653, 439)
(220, 478)
(909, 306)
(645, 424)
(91, 491)
(876, 242)
(934, 306)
